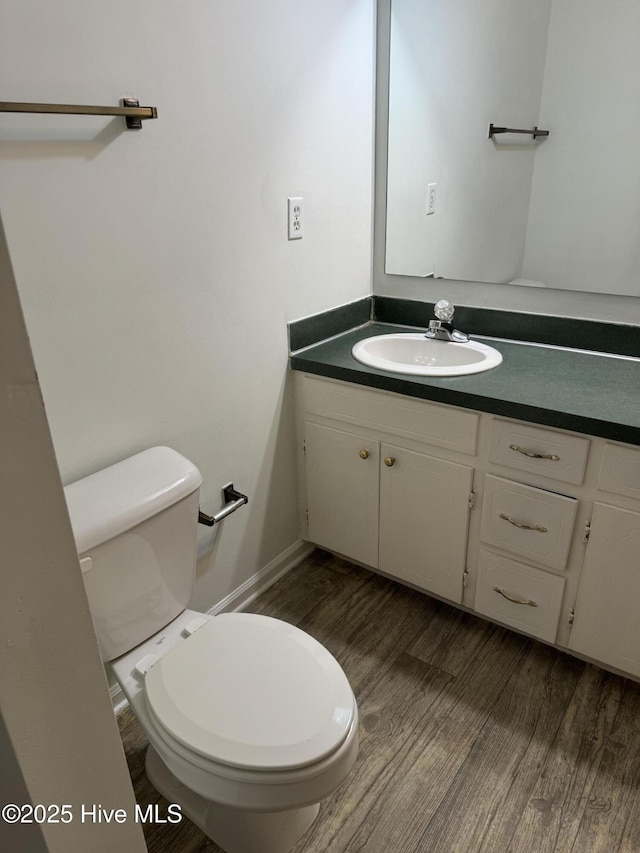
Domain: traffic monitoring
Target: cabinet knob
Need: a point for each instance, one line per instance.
(364, 454)
(389, 461)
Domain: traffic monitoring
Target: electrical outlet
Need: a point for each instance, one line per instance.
(431, 198)
(295, 208)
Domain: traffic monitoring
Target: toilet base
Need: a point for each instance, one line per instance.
(234, 830)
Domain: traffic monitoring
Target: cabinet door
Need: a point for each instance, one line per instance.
(424, 517)
(342, 492)
(606, 625)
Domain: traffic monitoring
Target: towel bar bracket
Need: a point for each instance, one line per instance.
(132, 122)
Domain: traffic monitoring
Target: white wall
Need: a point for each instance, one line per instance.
(153, 266)
(585, 198)
(455, 67)
(58, 739)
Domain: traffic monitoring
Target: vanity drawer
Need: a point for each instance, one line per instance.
(528, 448)
(525, 598)
(530, 522)
(620, 471)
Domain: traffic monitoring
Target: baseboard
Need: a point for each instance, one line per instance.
(118, 699)
(242, 596)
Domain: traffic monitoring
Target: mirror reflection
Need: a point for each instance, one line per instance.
(561, 210)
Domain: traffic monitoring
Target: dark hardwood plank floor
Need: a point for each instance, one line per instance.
(472, 738)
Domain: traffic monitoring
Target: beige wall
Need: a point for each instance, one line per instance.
(156, 281)
(59, 742)
(154, 266)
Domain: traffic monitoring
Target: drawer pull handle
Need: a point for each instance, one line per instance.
(551, 456)
(389, 461)
(537, 527)
(364, 454)
(526, 601)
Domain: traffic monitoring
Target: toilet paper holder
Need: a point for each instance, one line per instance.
(233, 501)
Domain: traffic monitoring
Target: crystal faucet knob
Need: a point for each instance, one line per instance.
(443, 310)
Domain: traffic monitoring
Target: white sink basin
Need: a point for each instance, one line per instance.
(420, 356)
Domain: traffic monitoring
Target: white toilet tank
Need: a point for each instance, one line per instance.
(135, 525)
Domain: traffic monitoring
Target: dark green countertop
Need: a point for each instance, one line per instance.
(579, 391)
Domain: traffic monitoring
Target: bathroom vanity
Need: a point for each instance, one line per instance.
(532, 522)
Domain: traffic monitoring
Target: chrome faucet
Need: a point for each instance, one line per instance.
(442, 328)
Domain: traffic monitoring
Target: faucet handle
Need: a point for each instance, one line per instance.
(443, 310)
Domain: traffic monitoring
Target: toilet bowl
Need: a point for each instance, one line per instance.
(251, 722)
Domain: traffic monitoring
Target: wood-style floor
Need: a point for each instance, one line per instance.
(472, 738)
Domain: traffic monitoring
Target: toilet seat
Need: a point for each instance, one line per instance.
(252, 692)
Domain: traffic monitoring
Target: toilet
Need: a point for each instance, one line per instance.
(251, 722)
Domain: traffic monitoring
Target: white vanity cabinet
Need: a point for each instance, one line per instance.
(527, 530)
(378, 491)
(607, 612)
(533, 527)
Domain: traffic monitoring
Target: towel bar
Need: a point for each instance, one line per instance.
(130, 108)
(534, 132)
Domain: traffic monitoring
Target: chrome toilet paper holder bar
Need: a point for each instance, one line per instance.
(233, 501)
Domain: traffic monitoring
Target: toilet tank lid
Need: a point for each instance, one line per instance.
(112, 501)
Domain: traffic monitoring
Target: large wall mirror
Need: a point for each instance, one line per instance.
(561, 210)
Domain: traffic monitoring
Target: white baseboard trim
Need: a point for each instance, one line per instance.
(118, 699)
(242, 596)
